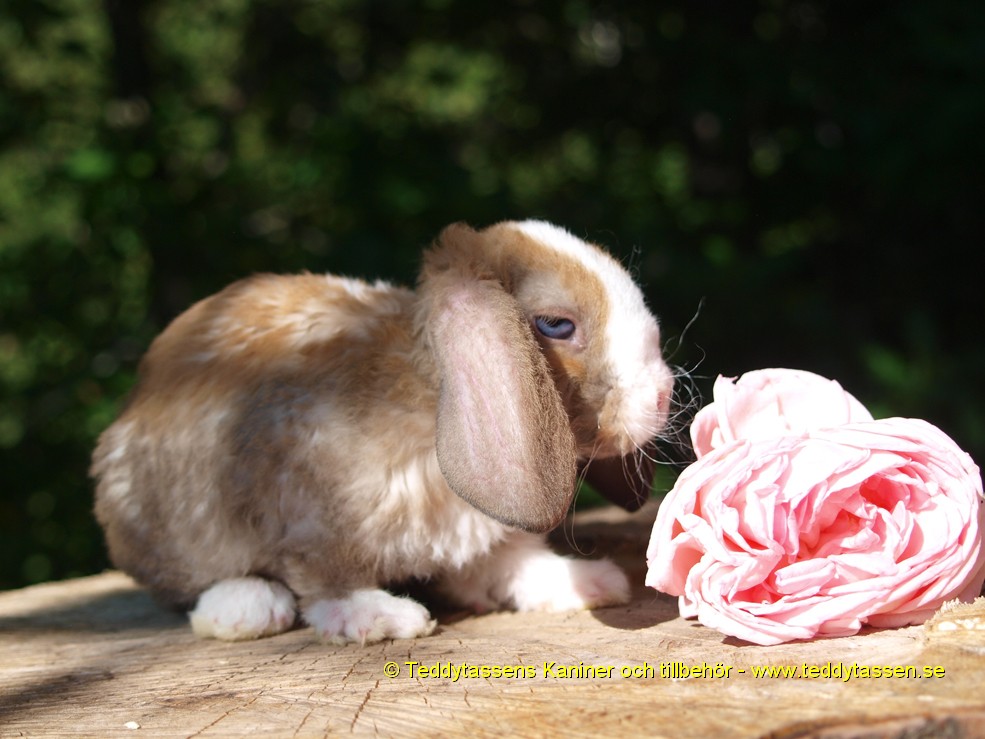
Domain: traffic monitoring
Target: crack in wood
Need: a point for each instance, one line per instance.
(359, 710)
(226, 714)
(352, 669)
(304, 720)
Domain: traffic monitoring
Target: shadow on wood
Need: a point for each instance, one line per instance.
(123, 608)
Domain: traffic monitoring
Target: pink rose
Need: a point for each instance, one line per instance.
(819, 531)
(768, 403)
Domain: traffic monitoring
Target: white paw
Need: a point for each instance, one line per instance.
(368, 616)
(243, 608)
(554, 583)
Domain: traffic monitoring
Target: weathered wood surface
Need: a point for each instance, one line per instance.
(95, 657)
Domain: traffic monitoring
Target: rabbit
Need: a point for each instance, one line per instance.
(294, 445)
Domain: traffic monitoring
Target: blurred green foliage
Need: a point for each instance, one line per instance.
(811, 170)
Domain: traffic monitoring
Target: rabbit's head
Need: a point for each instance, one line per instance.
(548, 362)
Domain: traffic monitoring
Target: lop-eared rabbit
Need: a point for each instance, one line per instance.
(295, 444)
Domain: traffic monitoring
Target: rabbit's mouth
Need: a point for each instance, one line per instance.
(630, 417)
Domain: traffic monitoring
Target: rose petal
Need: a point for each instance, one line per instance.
(804, 578)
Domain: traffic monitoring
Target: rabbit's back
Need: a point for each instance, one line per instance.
(275, 323)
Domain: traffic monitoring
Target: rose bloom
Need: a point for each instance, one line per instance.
(798, 532)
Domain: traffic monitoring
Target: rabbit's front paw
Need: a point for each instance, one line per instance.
(368, 616)
(554, 583)
(243, 608)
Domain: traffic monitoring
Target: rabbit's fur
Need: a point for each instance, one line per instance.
(300, 442)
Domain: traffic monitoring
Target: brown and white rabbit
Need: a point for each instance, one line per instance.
(301, 442)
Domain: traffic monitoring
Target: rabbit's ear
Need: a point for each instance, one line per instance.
(625, 481)
(504, 441)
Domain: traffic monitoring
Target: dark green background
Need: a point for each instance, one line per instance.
(812, 171)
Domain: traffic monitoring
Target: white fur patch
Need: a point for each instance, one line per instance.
(524, 574)
(554, 583)
(121, 434)
(243, 608)
(116, 480)
(418, 525)
(368, 616)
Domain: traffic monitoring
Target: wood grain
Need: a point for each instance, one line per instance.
(96, 657)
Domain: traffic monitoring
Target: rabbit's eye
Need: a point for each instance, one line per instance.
(554, 328)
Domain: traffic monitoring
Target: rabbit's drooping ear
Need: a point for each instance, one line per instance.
(625, 481)
(504, 441)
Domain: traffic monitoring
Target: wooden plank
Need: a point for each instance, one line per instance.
(96, 657)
